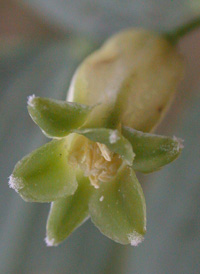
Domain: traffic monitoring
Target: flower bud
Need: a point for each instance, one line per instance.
(132, 77)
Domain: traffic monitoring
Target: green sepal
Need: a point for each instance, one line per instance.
(44, 175)
(68, 213)
(152, 151)
(57, 118)
(112, 139)
(118, 208)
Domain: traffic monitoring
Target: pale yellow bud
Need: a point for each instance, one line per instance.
(133, 78)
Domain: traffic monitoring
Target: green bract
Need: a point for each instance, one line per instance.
(118, 93)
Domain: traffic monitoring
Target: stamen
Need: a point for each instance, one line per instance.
(106, 153)
(95, 159)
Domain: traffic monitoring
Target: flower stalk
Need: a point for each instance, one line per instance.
(180, 32)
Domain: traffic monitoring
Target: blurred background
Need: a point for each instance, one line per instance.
(41, 44)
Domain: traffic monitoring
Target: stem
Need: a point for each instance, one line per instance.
(180, 32)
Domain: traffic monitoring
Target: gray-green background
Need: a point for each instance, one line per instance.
(44, 66)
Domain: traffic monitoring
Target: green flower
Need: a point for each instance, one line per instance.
(89, 172)
(101, 138)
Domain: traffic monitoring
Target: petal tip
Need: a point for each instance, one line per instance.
(15, 183)
(135, 238)
(50, 242)
(179, 141)
(30, 100)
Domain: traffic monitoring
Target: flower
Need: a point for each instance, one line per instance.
(101, 138)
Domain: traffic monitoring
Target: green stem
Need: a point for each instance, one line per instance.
(180, 32)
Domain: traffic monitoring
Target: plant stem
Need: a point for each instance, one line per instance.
(175, 35)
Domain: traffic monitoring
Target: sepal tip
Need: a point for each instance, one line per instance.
(15, 183)
(135, 238)
(30, 100)
(180, 144)
(50, 242)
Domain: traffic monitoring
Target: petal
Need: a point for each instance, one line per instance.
(152, 151)
(44, 175)
(118, 208)
(56, 118)
(112, 139)
(68, 213)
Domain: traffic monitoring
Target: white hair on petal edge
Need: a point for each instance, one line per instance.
(15, 183)
(180, 143)
(30, 100)
(50, 242)
(135, 238)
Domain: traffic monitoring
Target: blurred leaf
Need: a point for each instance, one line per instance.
(99, 19)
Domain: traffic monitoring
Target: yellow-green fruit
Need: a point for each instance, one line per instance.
(132, 77)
